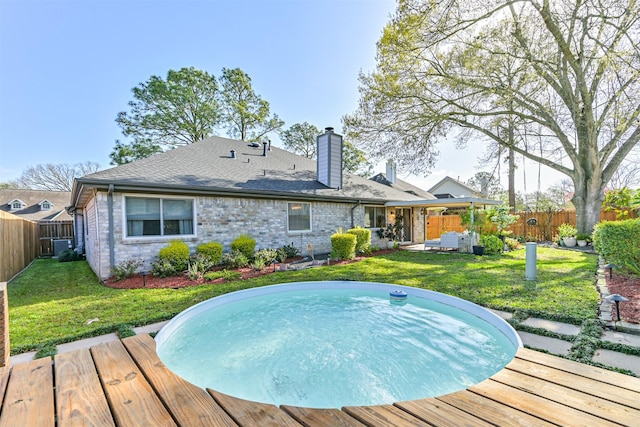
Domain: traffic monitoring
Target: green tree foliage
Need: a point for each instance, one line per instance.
(619, 201)
(563, 74)
(136, 150)
(244, 113)
(301, 138)
(168, 113)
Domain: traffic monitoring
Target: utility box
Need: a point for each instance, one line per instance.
(61, 245)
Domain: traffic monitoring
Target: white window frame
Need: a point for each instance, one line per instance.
(310, 218)
(375, 217)
(16, 205)
(45, 206)
(161, 235)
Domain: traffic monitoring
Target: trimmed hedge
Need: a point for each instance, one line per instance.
(617, 242)
(211, 250)
(176, 253)
(363, 238)
(343, 245)
(244, 244)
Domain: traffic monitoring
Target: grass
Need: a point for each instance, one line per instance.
(51, 302)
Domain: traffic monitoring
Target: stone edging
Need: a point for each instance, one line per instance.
(605, 308)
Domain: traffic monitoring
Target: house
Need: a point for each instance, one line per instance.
(449, 188)
(35, 205)
(218, 189)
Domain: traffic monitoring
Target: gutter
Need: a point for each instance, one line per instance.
(352, 210)
(112, 254)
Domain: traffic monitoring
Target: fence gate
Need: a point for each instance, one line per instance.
(54, 236)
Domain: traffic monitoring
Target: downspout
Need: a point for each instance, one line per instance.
(353, 221)
(112, 253)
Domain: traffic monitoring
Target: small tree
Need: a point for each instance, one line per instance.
(501, 218)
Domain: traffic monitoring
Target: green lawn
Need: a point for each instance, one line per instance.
(50, 302)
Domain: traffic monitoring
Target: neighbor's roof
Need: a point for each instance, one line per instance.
(446, 179)
(32, 199)
(403, 186)
(206, 167)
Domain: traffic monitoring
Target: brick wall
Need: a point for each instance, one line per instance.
(221, 219)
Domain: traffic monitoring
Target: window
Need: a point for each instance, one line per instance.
(16, 205)
(375, 217)
(45, 206)
(299, 216)
(158, 217)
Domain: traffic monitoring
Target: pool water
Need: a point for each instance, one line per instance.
(321, 346)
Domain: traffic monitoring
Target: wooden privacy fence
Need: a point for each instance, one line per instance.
(18, 244)
(51, 231)
(544, 230)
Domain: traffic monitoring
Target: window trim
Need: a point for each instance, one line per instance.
(310, 229)
(375, 217)
(161, 236)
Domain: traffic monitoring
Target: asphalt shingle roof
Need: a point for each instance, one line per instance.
(207, 166)
(32, 211)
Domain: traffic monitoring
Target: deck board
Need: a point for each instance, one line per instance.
(492, 411)
(189, 404)
(440, 413)
(29, 398)
(130, 396)
(124, 383)
(247, 413)
(80, 400)
(383, 416)
(311, 417)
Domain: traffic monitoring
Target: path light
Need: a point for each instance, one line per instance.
(610, 266)
(617, 298)
(144, 278)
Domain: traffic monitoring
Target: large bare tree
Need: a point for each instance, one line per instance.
(564, 72)
(53, 177)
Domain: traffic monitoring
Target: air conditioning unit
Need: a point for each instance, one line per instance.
(61, 245)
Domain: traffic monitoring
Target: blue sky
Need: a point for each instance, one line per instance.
(67, 67)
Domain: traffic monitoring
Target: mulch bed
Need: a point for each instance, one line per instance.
(137, 281)
(628, 287)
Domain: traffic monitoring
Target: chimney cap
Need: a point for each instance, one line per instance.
(328, 129)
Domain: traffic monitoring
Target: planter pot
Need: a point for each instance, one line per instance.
(569, 241)
(478, 250)
(582, 243)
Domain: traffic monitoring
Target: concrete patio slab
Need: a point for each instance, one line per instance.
(504, 314)
(621, 338)
(86, 343)
(553, 326)
(619, 360)
(552, 345)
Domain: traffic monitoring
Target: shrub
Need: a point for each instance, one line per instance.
(343, 245)
(363, 238)
(176, 253)
(492, 244)
(267, 256)
(511, 243)
(244, 244)
(235, 259)
(617, 242)
(163, 268)
(224, 274)
(198, 265)
(125, 331)
(125, 269)
(567, 230)
(211, 250)
(290, 250)
(68, 255)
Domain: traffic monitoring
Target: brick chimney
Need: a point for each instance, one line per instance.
(329, 164)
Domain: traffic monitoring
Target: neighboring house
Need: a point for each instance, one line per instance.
(36, 205)
(391, 179)
(218, 189)
(449, 188)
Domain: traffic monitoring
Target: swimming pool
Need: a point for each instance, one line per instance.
(334, 344)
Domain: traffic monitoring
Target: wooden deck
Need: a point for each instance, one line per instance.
(123, 383)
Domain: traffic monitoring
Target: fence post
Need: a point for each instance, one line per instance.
(5, 352)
